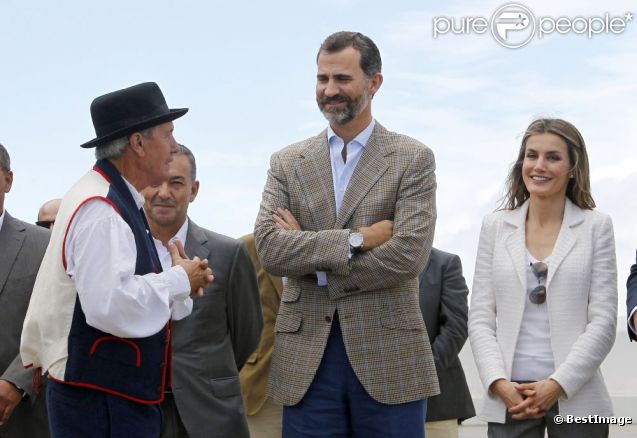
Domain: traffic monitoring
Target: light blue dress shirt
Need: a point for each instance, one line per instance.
(342, 172)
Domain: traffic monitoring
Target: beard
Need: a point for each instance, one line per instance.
(341, 116)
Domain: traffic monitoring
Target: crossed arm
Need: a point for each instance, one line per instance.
(287, 250)
(373, 235)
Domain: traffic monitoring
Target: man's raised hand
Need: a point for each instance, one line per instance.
(199, 274)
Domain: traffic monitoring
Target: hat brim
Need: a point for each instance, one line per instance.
(148, 123)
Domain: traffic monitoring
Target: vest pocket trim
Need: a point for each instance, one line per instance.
(98, 341)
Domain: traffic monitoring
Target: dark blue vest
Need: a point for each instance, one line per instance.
(134, 368)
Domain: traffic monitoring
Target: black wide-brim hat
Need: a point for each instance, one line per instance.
(129, 110)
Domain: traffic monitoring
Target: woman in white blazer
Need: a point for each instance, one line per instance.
(543, 309)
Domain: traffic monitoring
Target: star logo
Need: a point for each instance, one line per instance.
(628, 16)
(521, 20)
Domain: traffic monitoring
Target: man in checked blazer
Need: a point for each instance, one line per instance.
(22, 246)
(348, 217)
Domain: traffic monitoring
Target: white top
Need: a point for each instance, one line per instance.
(1, 219)
(533, 357)
(101, 256)
(180, 308)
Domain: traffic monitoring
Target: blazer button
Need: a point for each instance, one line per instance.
(328, 319)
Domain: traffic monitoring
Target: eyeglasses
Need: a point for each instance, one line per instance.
(540, 270)
(45, 224)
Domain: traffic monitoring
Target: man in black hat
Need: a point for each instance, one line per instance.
(99, 318)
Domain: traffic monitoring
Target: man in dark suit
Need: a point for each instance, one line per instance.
(631, 303)
(212, 344)
(443, 302)
(22, 414)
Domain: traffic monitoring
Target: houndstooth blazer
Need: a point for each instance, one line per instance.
(375, 292)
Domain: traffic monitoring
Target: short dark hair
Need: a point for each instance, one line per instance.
(5, 161)
(370, 56)
(183, 150)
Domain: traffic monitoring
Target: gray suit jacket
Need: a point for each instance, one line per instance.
(443, 302)
(211, 345)
(22, 248)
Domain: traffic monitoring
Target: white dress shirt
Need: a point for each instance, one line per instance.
(1, 219)
(180, 308)
(101, 256)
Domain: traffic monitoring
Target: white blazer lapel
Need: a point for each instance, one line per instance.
(515, 241)
(566, 238)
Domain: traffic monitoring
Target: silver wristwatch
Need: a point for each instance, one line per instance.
(356, 241)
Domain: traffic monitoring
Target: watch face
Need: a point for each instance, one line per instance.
(356, 240)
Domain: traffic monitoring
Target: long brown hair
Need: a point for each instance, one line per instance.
(578, 189)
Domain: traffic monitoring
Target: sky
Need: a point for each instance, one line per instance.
(247, 72)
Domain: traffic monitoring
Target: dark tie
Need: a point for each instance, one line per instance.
(344, 153)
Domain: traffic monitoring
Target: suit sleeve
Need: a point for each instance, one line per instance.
(405, 254)
(20, 376)
(631, 299)
(453, 314)
(244, 307)
(293, 253)
(482, 313)
(592, 346)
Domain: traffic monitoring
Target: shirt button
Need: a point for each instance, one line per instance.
(328, 319)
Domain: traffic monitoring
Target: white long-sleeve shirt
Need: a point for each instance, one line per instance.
(180, 308)
(101, 256)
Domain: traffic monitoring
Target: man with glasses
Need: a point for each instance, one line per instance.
(22, 247)
(48, 212)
